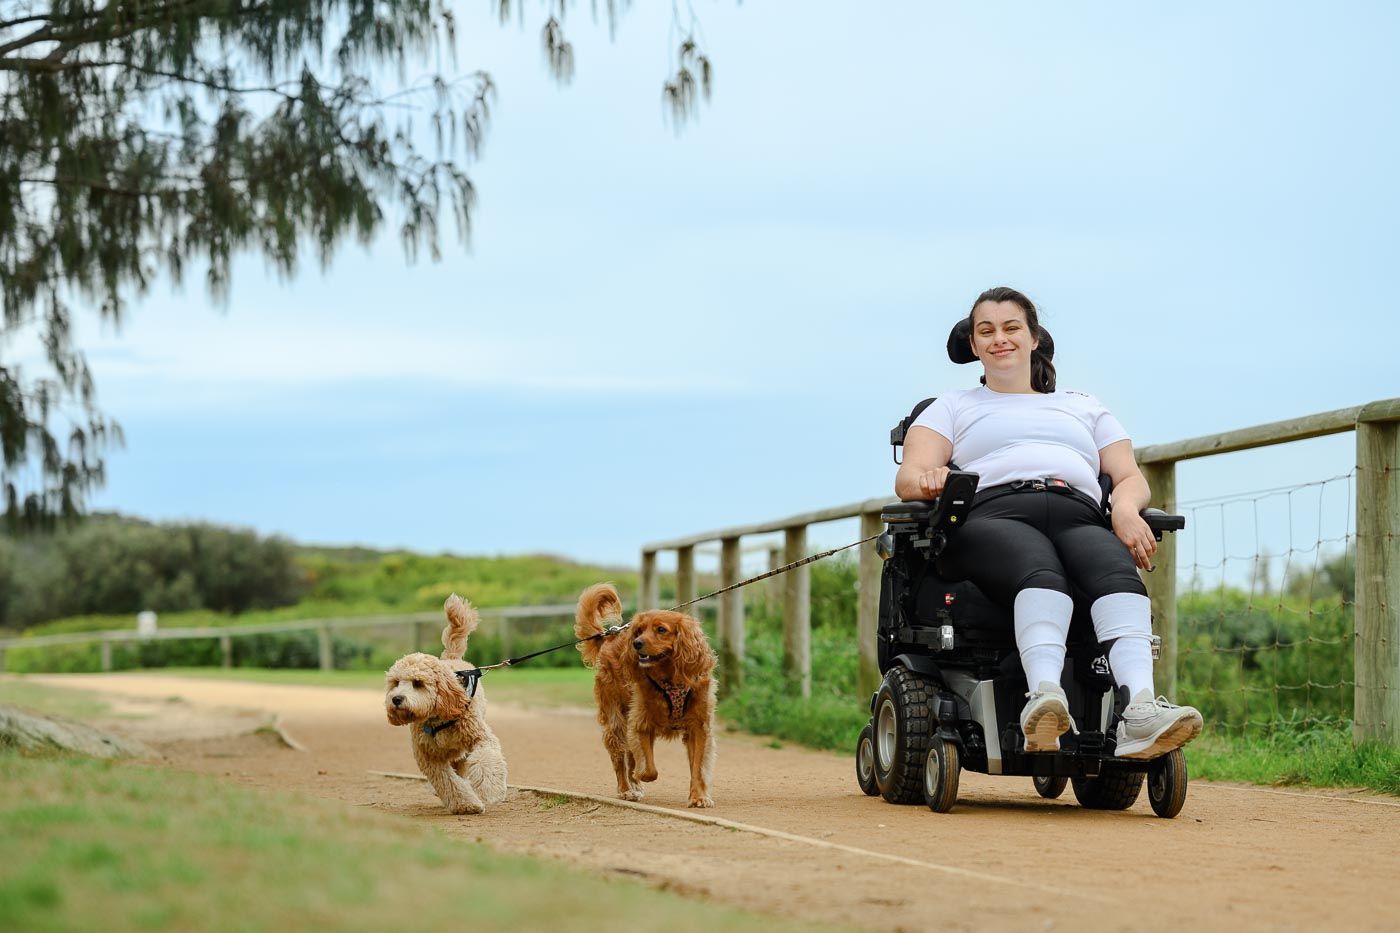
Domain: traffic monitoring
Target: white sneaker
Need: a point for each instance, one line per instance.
(1152, 727)
(1046, 717)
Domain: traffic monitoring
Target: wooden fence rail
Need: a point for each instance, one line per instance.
(1377, 610)
(322, 627)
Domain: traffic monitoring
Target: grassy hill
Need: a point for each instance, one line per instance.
(192, 574)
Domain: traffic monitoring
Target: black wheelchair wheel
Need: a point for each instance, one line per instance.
(865, 761)
(1114, 789)
(903, 725)
(1050, 787)
(942, 767)
(1166, 784)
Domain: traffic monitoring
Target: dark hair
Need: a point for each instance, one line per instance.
(1042, 369)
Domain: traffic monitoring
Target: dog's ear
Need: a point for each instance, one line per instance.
(450, 699)
(693, 659)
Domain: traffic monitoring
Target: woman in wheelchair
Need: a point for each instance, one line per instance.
(1037, 525)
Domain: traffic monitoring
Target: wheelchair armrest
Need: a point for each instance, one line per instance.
(941, 516)
(1161, 523)
(914, 510)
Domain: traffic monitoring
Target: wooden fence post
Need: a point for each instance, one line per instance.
(226, 651)
(106, 655)
(868, 605)
(731, 618)
(1377, 625)
(323, 639)
(774, 587)
(797, 612)
(1161, 582)
(685, 578)
(647, 585)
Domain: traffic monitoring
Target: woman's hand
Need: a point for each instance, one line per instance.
(1135, 535)
(931, 482)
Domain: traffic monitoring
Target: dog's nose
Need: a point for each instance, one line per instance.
(398, 701)
(638, 643)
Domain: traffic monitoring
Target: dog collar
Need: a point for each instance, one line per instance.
(431, 730)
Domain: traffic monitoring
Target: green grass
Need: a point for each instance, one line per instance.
(768, 705)
(392, 583)
(525, 686)
(823, 721)
(49, 701)
(1322, 757)
(97, 845)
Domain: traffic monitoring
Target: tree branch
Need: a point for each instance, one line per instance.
(55, 67)
(22, 20)
(39, 35)
(195, 185)
(150, 18)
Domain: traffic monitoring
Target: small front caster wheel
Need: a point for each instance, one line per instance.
(1166, 784)
(1050, 787)
(941, 771)
(865, 761)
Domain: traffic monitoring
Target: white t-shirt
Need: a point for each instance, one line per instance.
(1005, 437)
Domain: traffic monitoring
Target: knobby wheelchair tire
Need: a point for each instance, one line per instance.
(903, 727)
(1113, 789)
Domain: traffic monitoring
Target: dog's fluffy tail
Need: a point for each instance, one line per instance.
(461, 622)
(598, 607)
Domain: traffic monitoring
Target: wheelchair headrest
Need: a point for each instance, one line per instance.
(960, 343)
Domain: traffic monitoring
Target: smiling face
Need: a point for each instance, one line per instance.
(1002, 340)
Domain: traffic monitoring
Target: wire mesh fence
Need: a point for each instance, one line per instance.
(1266, 608)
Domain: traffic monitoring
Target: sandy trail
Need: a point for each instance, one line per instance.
(1004, 859)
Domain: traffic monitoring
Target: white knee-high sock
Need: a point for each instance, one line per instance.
(1042, 625)
(1124, 621)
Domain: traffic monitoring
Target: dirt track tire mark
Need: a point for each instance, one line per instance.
(780, 834)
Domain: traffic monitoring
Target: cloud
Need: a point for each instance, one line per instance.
(167, 358)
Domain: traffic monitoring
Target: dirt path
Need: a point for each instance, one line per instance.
(1004, 859)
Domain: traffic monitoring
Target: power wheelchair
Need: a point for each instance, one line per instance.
(953, 684)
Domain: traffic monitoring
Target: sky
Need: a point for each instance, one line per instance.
(654, 333)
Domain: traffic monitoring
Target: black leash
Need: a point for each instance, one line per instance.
(475, 674)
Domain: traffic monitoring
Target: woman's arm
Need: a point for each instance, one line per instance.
(925, 466)
(1130, 496)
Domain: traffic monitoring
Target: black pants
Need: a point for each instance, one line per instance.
(1040, 539)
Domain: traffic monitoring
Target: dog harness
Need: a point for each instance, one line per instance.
(676, 697)
(469, 679)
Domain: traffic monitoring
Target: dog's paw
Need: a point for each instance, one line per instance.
(467, 809)
(633, 795)
(702, 801)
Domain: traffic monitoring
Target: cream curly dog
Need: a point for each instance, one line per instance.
(454, 747)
